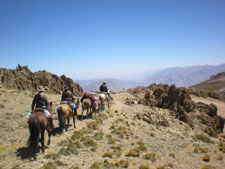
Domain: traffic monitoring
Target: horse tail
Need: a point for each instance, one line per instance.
(61, 118)
(34, 135)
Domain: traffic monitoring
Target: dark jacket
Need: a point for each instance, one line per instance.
(39, 102)
(103, 88)
(67, 96)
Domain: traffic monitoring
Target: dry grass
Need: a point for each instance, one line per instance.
(144, 166)
(142, 146)
(107, 154)
(219, 157)
(135, 152)
(208, 167)
(202, 138)
(49, 165)
(122, 163)
(150, 156)
(206, 158)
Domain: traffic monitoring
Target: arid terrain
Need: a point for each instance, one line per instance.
(115, 138)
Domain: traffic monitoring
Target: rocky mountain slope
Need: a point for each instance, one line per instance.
(22, 78)
(216, 83)
(133, 134)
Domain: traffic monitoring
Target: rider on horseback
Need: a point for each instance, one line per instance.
(103, 89)
(41, 101)
(68, 98)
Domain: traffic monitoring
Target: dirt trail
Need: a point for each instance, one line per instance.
(171, 147)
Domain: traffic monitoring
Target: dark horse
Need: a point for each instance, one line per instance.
(38, 123)
(65, 112)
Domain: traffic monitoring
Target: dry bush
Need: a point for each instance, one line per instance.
(111, 140)
(107, 154)
(142, 146)
(206, 158)
(98, 135)
(135, 152)
(120, 131)
(71, 149)
(52, 156)
(202, 138)
(59, 163)
(221, 146)
(122, 163)
(49, 165)
(102, 165)
(75, 167)
(93, 125)
(144, 166)
(208, 167)
(219, 157)
(150, 156)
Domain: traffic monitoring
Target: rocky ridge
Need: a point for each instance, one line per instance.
(22, 78)
(178, 101)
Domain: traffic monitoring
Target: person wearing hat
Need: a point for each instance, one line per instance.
(67, 95)
(41, 101)
(67, 98)
(103, 87)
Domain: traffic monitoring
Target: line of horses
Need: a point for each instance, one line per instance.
(38, 122)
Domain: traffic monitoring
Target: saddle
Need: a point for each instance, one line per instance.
(38, 110)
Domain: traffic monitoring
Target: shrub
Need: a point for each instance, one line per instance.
(98, 135)
(208, 167)
(144, 166)
(107, 154)
(71, 149)
(206, 158)
(150, 156)
(142, 146)
(219, 157)
(49, 165)
(202, 138)
(52, 156)
(111, 140)
(134, 152)
(122, 163)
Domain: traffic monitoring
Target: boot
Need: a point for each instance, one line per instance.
(51, 123)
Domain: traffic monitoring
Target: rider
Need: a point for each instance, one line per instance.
(41, 101)
(104, 89)
(68, 98)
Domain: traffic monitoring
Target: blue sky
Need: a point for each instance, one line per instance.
(101, 38)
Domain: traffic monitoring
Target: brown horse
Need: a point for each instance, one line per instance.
(38, 123)
(65, 112)
(104, 97)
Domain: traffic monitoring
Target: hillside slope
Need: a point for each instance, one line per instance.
(121, 137)
(216, 83)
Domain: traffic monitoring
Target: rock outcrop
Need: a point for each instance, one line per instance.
(178, 100)
(22, 78)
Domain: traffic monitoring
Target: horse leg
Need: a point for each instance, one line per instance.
(42, 140)
(49, 136)
(74, 125)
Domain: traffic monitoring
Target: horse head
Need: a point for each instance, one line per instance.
(49, 107)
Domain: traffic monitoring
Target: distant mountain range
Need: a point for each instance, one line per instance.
(180, 76)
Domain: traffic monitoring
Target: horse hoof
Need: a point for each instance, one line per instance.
(48, 143)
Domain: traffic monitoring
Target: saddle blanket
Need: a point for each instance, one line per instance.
(72, 105)
(47, 114)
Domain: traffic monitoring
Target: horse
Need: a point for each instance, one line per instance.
(104, 97)
(38, 123)
(65, 112)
